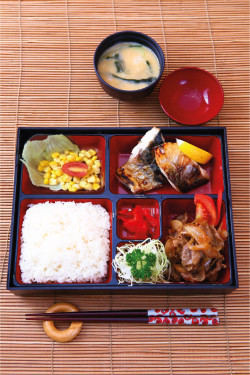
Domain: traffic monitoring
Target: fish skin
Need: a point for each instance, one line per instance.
(183, 173)
(141, 173)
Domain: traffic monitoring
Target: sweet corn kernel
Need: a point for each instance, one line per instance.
(77, 186)
(55, 155)
(89, 163)
(43, 163)
(71, 183)
(66, 178)
(58, 172)
(92, 152)
(47, 169)
(76, 180)
(63, 157)
(57, 160)
(96, 169)
(46, 181)
(78, 158)
(72, 189)
(89, 187)
(53, 174)
(90, 171)
(96, 186)
(53, 164)
(47, 175)
(71, 158)
(83, 184)
(60, 180)
(88, 155)
(40, 168)
(97, 163)
(66, 152)
(98, 180)
(91, 178)
(94, 158)
(64, 187)
(53, 181)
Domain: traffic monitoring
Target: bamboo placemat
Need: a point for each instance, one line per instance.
(48, 80)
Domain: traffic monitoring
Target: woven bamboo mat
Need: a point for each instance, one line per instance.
(48, 80)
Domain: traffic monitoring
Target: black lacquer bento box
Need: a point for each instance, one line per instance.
(114, 146)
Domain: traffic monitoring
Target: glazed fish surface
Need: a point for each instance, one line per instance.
(141, 173)
(182, 172)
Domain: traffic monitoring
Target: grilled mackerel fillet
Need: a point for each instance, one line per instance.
(182, 172)
(141, 173)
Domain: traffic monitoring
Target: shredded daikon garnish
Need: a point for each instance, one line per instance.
(144, 262)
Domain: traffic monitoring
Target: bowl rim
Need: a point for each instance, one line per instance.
(162, 66)
(195, 69)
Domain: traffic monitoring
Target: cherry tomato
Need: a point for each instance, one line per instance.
(75, 169)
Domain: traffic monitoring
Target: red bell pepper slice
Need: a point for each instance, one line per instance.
(208, 204)
(125, 214)
(138, 212)
(141, 231)
(149, 218)
(75, 169)
(130, 225)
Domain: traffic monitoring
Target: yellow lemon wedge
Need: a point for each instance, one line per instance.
(193, 152)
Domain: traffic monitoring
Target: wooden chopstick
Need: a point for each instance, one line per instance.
(130, 313)
(113, 313)
(183, 320)
(92, 319)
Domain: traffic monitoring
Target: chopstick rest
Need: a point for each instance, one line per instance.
(62, 335)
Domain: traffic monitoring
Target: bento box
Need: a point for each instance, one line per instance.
(114, 146)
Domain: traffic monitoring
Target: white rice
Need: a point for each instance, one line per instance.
(65, 242)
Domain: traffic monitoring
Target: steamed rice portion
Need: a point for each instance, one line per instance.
(65, 242)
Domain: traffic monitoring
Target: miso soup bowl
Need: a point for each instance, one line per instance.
(133, 37)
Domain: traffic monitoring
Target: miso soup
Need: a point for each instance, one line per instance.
(129, 66)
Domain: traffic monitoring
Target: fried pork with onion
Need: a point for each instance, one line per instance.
(194, 250)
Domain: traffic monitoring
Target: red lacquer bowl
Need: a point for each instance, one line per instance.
(191, 96)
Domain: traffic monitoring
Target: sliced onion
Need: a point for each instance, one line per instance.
(176, 225)
(196, 232)
(207, 249)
